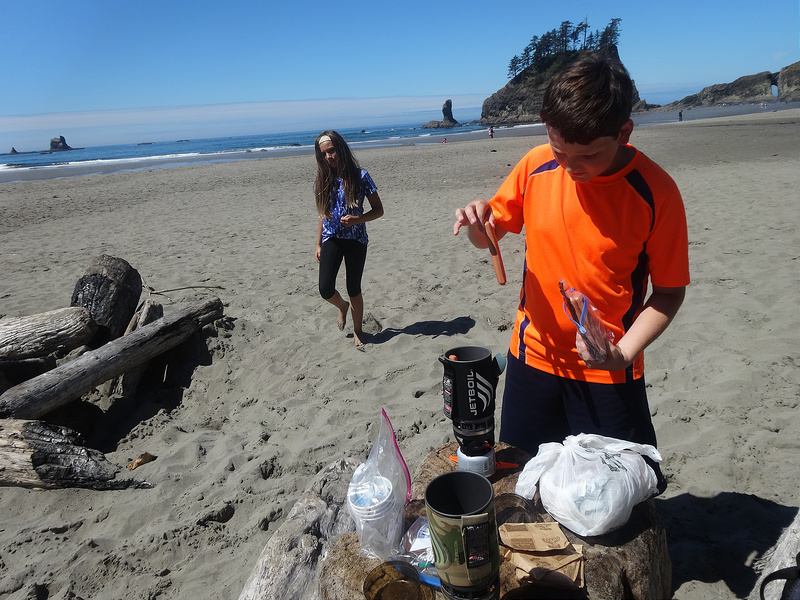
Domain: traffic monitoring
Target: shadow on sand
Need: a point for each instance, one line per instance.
(162, 387)
(430, 328)
(716, 539)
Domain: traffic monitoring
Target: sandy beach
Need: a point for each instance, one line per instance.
(283, 392)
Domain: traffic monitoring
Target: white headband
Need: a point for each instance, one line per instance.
(323, 139)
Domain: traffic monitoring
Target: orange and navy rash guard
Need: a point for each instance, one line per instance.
(605, 237)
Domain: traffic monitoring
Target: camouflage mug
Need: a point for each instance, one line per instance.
(463, 528)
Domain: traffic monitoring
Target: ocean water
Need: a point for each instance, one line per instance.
(124, 157)
(130, 157)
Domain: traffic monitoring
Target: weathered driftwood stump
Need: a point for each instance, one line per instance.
(109, 289)
(631, 563)
(37, 455)
(68, 382)
(343, 572)
(289, 564)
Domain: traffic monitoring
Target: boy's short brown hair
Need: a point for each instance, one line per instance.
(591, 98)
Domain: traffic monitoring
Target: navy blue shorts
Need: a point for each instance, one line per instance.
(539, 407)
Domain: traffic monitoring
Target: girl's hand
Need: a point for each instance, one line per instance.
(318, 252)
(349, 220)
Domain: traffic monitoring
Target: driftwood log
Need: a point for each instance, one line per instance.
(631, 563)
(126, 384)
(783, 555)
(38, 455)
(288, 566)
(38, 335)
(68, 382)
(109, 289)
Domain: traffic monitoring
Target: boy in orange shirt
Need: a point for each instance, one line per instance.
(602, 216)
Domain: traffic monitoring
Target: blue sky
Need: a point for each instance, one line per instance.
(101, 72)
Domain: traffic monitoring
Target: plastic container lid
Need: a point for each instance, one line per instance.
(371, 498)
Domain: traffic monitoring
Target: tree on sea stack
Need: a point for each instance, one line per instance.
(520, 99)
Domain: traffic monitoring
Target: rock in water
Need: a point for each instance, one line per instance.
(59, 143)
(447, 114)
(447, 118)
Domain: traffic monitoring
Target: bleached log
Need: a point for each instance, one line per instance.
(38, 335)
(68, 382)
(780, 556)
(38, 455)
(288, 566)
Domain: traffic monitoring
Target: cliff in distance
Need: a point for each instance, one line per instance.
(749, 89)
(521, 98)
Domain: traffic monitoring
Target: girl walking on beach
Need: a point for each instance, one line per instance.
(340, 189)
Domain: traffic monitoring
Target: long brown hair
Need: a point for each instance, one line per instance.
(349, 171)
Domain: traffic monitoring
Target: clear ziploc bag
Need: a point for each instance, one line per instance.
(377, 495)
(586, 318)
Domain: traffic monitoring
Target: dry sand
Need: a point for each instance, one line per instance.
(285, 392)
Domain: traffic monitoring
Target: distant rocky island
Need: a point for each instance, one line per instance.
(57, 144)
(519, 101)
(447, 118)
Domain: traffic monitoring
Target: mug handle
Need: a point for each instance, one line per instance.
(499, 363)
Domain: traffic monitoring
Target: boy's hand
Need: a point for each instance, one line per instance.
(615, 359)
(473, 213)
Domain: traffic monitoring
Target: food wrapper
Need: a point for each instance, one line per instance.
(541, 553)
(586, 318)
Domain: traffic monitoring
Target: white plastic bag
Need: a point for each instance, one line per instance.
(591, 483)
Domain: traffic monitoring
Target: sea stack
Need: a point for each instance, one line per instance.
(447, 118)
(59, 143)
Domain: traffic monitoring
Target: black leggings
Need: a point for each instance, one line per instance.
(333, 251)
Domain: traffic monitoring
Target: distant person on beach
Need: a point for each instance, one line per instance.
(602, 216)
(491, 132)
(680, 115)
(340, 188)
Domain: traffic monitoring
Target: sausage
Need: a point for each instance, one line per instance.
(494, 250)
